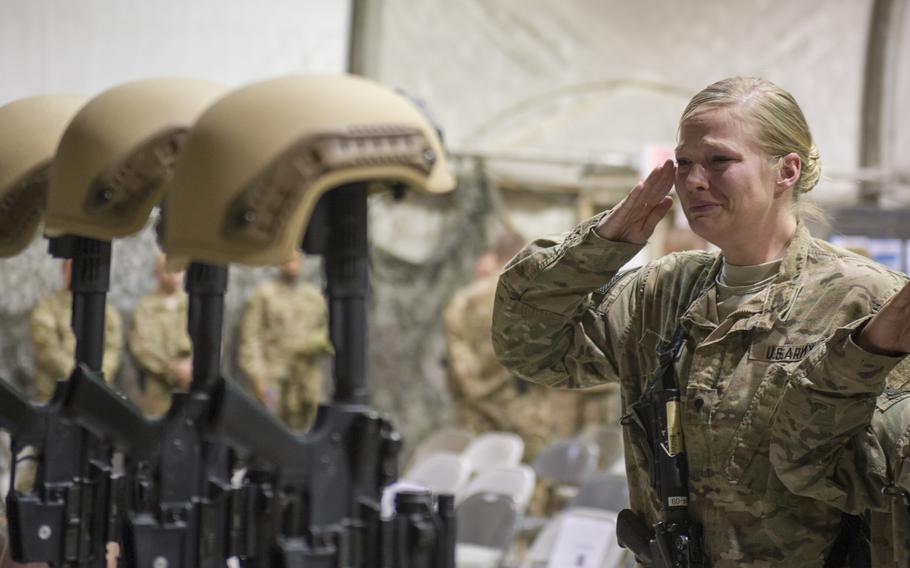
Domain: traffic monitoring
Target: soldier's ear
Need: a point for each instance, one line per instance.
(788, 171)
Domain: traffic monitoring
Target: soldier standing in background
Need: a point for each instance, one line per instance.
(159, 341)
(488, 397)
(283, 345)
(55, 344)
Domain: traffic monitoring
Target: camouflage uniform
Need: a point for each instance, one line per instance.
(885, 461)
(158, 337)
(559, 323)
(486, 396)
(835, 457)
(55, 344)
(891, 425)
(283, 344)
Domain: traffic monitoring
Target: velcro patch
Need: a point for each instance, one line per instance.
(780, 353)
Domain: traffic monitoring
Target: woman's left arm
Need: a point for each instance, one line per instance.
(821, 443)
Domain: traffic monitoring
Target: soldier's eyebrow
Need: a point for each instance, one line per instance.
(712, 144)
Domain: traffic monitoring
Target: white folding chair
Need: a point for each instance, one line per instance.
(516, 482)
(453, 440)
(488, 514)
(609, 441)
(567, 461)
(487, 520)
(494, 450)
(441, 472)
(577, 537)
(604, 490)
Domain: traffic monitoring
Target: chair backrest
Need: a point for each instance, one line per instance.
(452, 440)
(442, 472)
(488, 520)
(609, 441)
(493, 450)
(515, 482)
(576, 537)
(567, 461)
(603, 490)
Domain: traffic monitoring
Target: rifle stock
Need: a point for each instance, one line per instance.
(107, 414)
(244, 424)
(18, 416)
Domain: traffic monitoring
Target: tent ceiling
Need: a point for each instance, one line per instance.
(518, 74)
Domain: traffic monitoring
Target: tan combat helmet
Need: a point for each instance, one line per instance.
(112, 161)
(30, 130)
(257, 161)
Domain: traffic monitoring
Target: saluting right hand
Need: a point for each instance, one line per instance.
(634, 218)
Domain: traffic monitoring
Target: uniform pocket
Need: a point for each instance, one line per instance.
(748, 463)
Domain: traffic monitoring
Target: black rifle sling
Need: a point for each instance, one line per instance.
(667, 356)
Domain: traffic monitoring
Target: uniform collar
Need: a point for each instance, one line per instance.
(769, 306)
(786, 287)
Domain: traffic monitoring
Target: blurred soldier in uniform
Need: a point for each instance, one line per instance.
(159, 341)
(283, 345)
(55, 344)
(484, 394)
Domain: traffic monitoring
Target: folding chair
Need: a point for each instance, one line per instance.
(452, 440)
(609, 441)
(486, 527)
(567, 461)
(577, 537)
(603, 490)
(441, 472)
(494, 450)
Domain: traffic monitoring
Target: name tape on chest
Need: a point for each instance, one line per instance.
(781, 353)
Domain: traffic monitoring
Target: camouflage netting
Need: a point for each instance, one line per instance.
(407, 348)
(406, 374)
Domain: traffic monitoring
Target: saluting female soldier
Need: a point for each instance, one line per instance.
(774, 308)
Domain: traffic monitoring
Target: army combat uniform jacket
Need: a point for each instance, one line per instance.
(557, 323)
(819, 449)
(55, 344)
(158, 337)
(284, 341)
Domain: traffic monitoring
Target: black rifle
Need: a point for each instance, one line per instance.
(675, 541)
(166, 509)
(53, 523)
(421, 533)
(67, 517)
(311, 499)
(308, 499)
(176, 508)
(327, 493)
